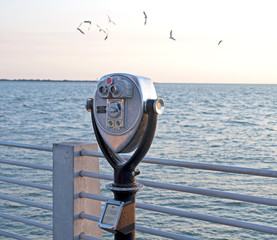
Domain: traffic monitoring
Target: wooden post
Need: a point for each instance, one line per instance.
(67, 184)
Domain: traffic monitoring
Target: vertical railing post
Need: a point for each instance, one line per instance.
(67, 184)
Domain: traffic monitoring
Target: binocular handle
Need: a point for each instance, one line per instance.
(124, 170)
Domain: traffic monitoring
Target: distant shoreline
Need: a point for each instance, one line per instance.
(87, 81)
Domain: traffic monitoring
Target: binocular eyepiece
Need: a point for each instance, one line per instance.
(115, 88)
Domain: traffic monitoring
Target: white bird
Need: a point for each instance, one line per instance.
(171, 36)
(110, 21)
(145, 18)
(219, 42)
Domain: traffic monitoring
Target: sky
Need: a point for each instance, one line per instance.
(39, 40)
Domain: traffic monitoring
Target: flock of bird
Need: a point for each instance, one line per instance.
(88, 24)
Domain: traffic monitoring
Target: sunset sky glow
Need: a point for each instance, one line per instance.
(40, 40)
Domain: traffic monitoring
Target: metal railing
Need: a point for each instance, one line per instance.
(205, 192)
(153, 208)
(26, 184)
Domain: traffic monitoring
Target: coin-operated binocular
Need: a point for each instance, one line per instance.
(124, 118)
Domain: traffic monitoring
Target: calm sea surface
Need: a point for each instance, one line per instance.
(222, 124)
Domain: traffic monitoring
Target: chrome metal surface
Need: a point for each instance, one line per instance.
(119, 107)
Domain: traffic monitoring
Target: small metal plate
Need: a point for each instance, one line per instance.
(111, 215)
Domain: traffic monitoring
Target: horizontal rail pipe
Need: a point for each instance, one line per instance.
(209, 218)
(87, 237)
(194, 190)
(26, 202)
(89, 216)
(26, 221)
(203, 166)
(168, 162)
(25, 164)
(27, 146)
(27, 184)
(163, 233)
(12, 235)
(144, 229)
(211, 193)
(198, 216)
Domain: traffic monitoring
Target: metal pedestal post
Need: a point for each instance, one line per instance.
(125, 187)
(127, 219)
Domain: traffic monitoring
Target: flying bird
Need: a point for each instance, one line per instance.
(219, 42)
(104, 31)
(171, 36)
(110, 21)
(80, 29)
(145, 18)
(101, 29)
(107, 34)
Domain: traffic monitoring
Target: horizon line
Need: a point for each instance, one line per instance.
(67, 80)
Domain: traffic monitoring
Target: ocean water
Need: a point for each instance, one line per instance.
(210, 123)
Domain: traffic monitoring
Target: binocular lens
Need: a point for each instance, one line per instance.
(159, 106)
(103, 89)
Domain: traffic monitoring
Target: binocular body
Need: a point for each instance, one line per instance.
(120, 107)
